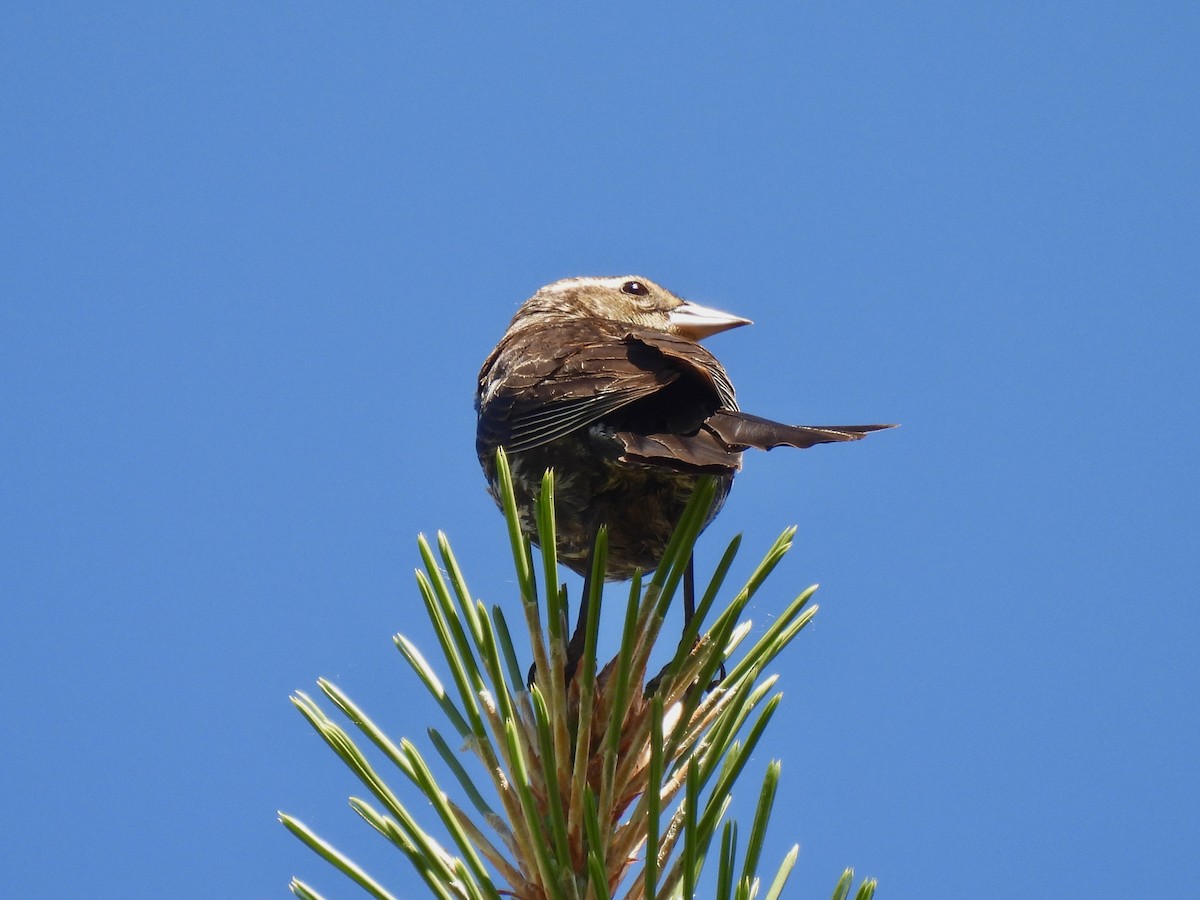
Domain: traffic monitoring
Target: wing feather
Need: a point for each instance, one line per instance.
(545, 383)
(742, 429)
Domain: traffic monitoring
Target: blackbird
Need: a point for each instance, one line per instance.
(603, 381)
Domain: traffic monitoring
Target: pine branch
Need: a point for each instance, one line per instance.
(603, 783)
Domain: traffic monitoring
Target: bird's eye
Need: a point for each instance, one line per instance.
(636, 288)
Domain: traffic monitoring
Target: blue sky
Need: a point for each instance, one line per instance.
(254, 256)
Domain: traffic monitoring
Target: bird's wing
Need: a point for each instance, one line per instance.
(550, 382)
(699, 453)
(686, 356)
(739, 428)
(735, 430)
(686, 444)
(541, 424)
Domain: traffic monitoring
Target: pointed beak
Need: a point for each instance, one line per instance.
(695, 321)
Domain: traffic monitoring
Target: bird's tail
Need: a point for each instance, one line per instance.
(739, 428)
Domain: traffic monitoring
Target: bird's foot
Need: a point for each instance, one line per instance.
(653, 684)
(568, 672)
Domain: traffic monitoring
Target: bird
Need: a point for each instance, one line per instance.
(603, 380)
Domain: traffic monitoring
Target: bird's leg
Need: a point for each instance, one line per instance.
(576, 644)
(689, 591)
(532, 675)
(689, 610)
(578, 640)
(689, 613)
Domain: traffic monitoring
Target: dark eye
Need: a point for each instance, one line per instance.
(636, 288)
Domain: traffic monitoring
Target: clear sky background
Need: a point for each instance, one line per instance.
(253, 255)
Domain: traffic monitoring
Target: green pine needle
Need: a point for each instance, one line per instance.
(611, 784)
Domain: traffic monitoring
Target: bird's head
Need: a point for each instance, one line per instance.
(631, 300)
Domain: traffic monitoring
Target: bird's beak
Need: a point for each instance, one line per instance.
(695, 321)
